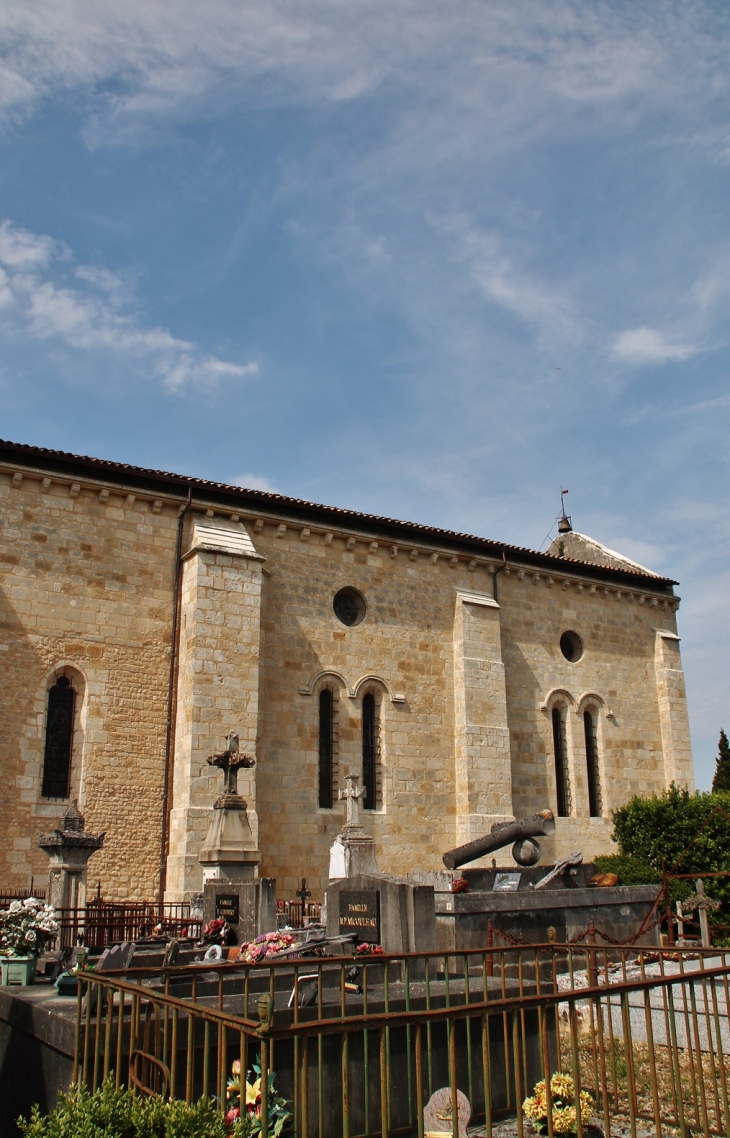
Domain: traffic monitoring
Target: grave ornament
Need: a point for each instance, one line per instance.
(229, 851)
(353, 851)
(525, 851)
(69, 849)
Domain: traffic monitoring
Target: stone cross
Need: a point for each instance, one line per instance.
(229, 761)
(351, 796)
(703, 904)
(303, 894)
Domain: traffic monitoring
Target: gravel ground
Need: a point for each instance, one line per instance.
(508, 1129)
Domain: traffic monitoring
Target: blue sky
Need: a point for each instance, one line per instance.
(427, 259)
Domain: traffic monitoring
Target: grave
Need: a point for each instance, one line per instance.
(353, 851)
(394, 912)
(232, 889)
(528, 902)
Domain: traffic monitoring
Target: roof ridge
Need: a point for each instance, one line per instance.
(498, 547)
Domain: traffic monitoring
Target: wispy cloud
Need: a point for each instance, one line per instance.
(255, 482)
(43, 296)
(651, 346)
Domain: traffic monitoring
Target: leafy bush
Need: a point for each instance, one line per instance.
(649, 829)
(110, 1113)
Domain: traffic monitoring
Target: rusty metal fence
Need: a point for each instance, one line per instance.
(102, 922)
(359, 1046)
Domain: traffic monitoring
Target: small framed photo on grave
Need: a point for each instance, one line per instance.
(506, 882)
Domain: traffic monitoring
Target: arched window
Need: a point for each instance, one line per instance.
(370, 751)
(562, 776)
(59, 739)
(326, 748)
(594, 775)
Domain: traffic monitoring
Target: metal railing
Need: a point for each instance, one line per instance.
(102, 922)
(359, 1046)
(298, 915)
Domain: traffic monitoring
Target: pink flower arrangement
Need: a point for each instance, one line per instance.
(254, 951)
(366, 949)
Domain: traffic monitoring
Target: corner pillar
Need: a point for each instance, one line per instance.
(673, 717)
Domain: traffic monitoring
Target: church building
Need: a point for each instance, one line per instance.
(145, 615)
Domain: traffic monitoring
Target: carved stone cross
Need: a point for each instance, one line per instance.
(229, 762)
(351, 795)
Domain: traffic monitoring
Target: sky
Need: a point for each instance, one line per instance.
(433, 259)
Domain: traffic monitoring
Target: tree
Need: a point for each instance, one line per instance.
(721, 781)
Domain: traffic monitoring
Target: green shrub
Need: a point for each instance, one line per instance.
(110, 1113)
(648, 830)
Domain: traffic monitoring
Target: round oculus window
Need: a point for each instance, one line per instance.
(571, 646)
(349, 606)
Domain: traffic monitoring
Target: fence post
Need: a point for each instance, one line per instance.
(592, 966)
(490, 945)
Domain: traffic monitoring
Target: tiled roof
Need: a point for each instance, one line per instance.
(162, 481)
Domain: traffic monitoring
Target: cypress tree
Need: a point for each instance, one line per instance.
(721, 781)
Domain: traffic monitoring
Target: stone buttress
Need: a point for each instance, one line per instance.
(217, 687)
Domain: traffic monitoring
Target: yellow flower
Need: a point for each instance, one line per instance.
(564, 1118)
(562, 1086)
(587, 1104)
(533, 1108)
(253, 1092)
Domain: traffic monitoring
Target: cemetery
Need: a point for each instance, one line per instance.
(417, 1004)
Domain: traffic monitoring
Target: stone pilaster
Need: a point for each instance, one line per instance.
(483, 775)
(673, 717)
(218, 686)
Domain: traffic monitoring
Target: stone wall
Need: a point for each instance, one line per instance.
(464, 684)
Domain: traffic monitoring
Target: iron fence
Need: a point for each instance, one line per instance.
(298, 914)
(359, 1046)
(102, 922)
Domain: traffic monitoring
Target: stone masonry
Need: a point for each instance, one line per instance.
(464, 682)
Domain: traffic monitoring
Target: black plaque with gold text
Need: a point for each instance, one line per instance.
(360, 913)
(226, 907)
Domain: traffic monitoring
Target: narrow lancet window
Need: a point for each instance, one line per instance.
(562, 778)
(594, 777)
(59, 740)
(326, 748)
(369, 752)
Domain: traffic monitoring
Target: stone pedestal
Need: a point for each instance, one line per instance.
(248, 906)
(69, 850)
(352, 853)
(384, 910)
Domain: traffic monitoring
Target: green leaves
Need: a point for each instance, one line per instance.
(110, 1113)
(691, 832)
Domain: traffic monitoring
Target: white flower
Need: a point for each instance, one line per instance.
(15, 907)
(30, 936)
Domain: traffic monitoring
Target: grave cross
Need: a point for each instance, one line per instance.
(229, 761)
(703, 903)
(303, 894)
(351, 795)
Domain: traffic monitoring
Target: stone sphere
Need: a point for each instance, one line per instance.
(526, 852)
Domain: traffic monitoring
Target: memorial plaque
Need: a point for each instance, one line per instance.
(360, 913)
(226, 907)
(506, 882)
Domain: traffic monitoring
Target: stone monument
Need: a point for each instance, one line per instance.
(353, 851)
(229, 851)
(69, 849)
(232, 889)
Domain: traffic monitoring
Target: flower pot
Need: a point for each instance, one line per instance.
(18, 970)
